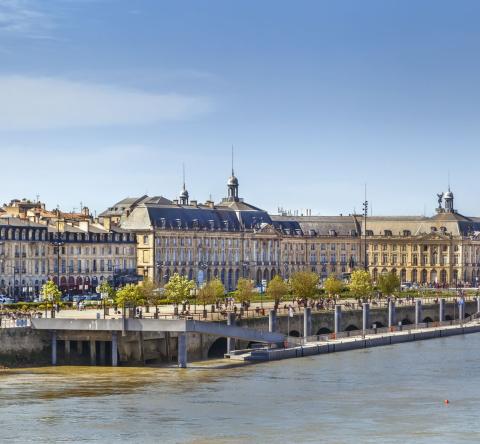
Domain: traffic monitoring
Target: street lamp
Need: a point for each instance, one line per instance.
(57, 242)
(365, 214)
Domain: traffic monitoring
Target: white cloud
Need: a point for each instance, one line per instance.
(44, 103)
(24, 18)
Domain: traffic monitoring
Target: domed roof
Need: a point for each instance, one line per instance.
(183, 194)
(232, 181)
(448, 195)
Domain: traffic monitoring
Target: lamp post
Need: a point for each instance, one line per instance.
(365, 214)
(57, 242)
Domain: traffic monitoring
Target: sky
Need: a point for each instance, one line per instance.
(104, 99)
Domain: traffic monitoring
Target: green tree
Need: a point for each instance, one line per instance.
(361, 283)
(130, 294)
(277, 289)
(51, 293)
(206, 295)
(106, 288)
(304, 284)
(178, 288)
(218, 289)
(388, 283)
(245, 290)
(333, 285)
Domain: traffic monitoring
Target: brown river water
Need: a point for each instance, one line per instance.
(389, 394)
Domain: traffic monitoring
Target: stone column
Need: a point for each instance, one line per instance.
(230, 341)
(307, 322)
(441, 310)
(418, 311)
(67, 349)
(365, 316)
(102, 353)
(93, 353)
(182, 350)
(79, 348)
(391, 313)
(338, 319)
(114, 349)
(272, 321)
(461, 309)
(54, 347)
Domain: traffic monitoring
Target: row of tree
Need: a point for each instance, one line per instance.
(303, 285)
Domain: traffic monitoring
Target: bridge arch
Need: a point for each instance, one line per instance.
(324, 331)
(218, 348)
(406, 321)
(352, 327)
(294, 334)
(428, 319)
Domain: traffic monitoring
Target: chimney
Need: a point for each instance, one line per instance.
(210, 203)
(194, 203)
(107, 223)
(84, 225)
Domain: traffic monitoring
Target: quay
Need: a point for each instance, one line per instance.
(134, 341)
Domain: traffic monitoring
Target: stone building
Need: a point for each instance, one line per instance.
(23, 257)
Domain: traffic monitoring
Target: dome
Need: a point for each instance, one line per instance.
(448, 195)
(232, 182)
(183, 194)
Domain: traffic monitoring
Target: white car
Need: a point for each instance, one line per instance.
(5, 300)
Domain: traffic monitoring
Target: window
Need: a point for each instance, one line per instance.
(145, 240)
(407, 233)
(387, 232)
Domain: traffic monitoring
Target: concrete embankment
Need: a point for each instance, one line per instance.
(356, 343)
(23, 347)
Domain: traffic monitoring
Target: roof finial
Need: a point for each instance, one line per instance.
(183, 171)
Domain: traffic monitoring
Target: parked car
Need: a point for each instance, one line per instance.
(6, 300)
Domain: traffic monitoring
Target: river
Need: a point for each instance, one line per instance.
(389, 394)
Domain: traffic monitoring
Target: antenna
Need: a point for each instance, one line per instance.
(233, 174)
(448, 180)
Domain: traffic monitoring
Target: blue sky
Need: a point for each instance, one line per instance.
(103, 99)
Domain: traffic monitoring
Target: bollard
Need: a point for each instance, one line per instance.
(391, 313)
(307, 322)
(182, 350)
(272, 321)
(114, 349)
(441, 310)
(54, 348)
(418, 311)
(337, 319)
(365, 316)
(230, 341)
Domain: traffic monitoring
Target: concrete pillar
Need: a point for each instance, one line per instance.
(338, 319)
(307, 322)
(182, 350)
(365, 316)
(79, 347)
(272, 321)
(103, 359)
(441, 310)
(67, 349)
(391, 313)
(93, 353)
(461, 309)
(478, 304)
(230, 341)
(418, 311)
(54, 348)
(114, 349)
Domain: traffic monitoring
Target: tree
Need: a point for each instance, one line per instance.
(333, 285)
(150, 293)
(277, 289)
(51, 293)
(130, 294)
(206, 295)
(245, 290)
(106, 288)
(388, 283)
(178, 288)
(304, 284)
(361, 283)
(218, 289)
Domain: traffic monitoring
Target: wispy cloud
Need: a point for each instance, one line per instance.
(44, 103)
(25, 18)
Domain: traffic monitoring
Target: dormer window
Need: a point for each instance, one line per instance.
(407, 233)
(332, 233)
(433, 229)
(443, 229)
(369, 232)
(212, 224)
